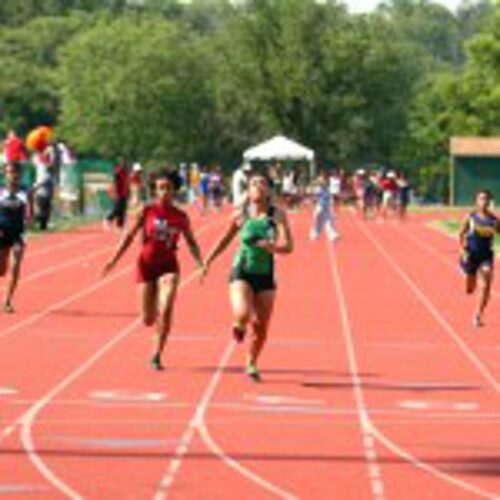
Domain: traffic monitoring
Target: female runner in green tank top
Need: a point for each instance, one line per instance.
(264, 232)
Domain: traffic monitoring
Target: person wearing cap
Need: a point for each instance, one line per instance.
(390, 193)
(239, 184)
(136, 185)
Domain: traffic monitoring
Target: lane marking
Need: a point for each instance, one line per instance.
(403, 453)
(432, 251)
(464, 347)
(122, 396)
(117, 443)
(422, 405)
(366, 427)
(8, 391)
(198, 424)
(282, 400)
(63, 265)
(27, 419)
(61, 304)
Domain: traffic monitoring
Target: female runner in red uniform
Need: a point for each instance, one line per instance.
(161, 224)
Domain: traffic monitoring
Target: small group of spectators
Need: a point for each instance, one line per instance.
(54, 165)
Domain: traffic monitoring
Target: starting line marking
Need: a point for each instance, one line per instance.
(8, 391)
(282, 400)
(128, 396)
(421, 405)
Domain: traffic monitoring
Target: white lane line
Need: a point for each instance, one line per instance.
(181, 451)
(61, 304)
(65, 244)
(432, 251)
(28, 418)
(464, 347)
(198, 424)
(86, 291)
(67, 263)
(370, 451)
(403, 453)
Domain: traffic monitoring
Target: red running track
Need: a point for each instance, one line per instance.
(375, 385)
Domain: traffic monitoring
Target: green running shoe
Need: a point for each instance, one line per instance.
(253, 372)
(155, 363)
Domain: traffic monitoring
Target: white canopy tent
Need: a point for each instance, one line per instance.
(279, 148)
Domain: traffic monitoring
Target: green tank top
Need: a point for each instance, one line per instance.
(250, 258)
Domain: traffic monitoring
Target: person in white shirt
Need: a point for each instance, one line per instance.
(323, 213)
(239, 184)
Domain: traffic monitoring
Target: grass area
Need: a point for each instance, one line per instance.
(59, 224)
(451, 227)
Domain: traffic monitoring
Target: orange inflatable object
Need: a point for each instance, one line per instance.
(39, 138)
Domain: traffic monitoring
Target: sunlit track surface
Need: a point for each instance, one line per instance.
(375, 384)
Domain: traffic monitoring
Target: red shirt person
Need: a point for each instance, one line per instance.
(162, 227)
(14, 149)
(161, 224)
(120, 194)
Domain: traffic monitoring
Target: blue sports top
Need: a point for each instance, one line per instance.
(481, 232)
(13, 207)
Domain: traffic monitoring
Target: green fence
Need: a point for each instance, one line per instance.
(473, 174)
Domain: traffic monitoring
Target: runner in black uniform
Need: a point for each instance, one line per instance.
(477, 237)
(15, 207)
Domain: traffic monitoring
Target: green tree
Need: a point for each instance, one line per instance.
(28, 66)
(133, 87)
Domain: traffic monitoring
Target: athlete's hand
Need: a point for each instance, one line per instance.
(265, 245)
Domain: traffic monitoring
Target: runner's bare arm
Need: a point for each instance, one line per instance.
(193, 244)
(464, 228)
(125, 243)
(225, 240)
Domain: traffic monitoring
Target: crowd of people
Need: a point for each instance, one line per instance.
(53, 163)
(261, 199)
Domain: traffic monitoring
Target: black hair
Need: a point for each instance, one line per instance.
(487, 192)
(15, 165)
(169, 175)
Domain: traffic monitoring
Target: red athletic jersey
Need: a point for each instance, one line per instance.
(121, 182)
(162, 229)
(389, 185)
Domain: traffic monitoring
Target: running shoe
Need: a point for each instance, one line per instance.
(477, 322)
(155, 363)
(239, 334)
(253, 372)
(7, 308)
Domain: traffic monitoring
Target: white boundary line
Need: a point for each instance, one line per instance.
(28, 418)
(58, 246)
(432, 251)
(197, 423)
(68, 263)
(412, 460)
(464, 347)
(59, 305)
(82, 293)
(369, 449)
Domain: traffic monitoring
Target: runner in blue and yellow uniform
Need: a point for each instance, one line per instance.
(477, 236)
(264, 232)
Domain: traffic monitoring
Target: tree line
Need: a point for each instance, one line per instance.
(158, 80)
